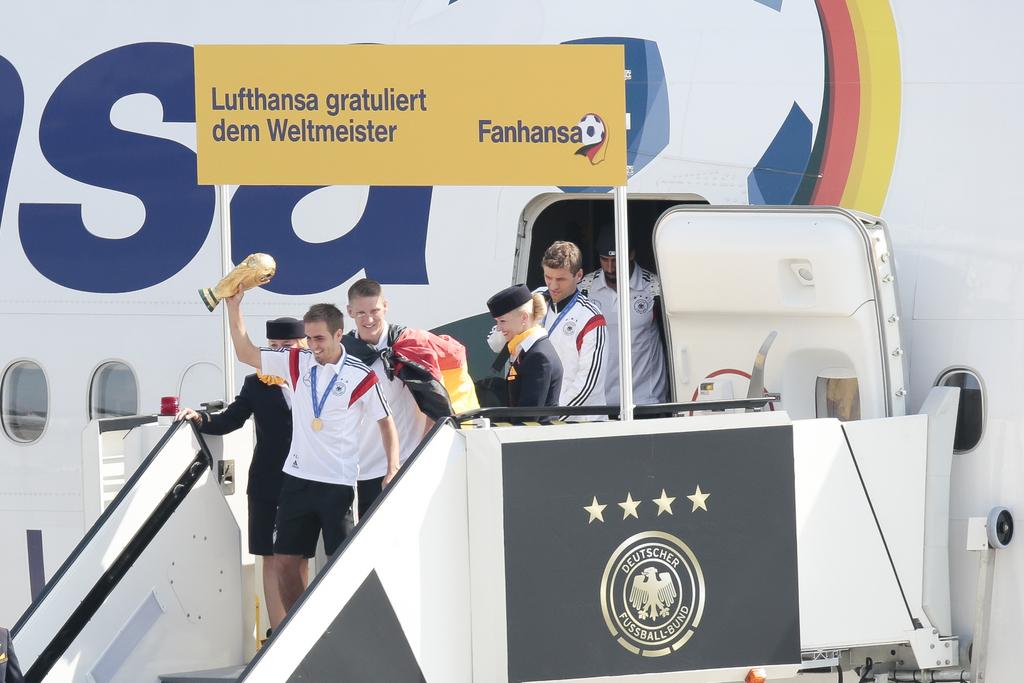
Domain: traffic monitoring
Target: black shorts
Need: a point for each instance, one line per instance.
(369, 489)
(304, 509)
(262, 515)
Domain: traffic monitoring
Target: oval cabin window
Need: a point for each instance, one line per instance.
(24, 399)
(970, 418)
(113, 392)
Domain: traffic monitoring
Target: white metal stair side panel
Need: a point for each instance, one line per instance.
(941, 406)
(178, 607)
(104, 547)
(193, 566)
(848, 594)
(238, 448)
(892, 456)
(417, 542)
(429, 574)
(487, 559)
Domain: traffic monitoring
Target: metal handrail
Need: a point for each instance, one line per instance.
(612, 411)
(116, 424)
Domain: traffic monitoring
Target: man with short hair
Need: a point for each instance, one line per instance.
(576, 329)
(263, 398)
(332, 394)
(372, 336)
(650, 379)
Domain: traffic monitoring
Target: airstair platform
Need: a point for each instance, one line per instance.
(684, 549)
(230, 673)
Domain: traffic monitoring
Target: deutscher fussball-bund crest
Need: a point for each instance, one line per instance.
(652, 594)
(649, 553)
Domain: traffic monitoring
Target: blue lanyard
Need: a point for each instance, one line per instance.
(565, 309)
(318, 406)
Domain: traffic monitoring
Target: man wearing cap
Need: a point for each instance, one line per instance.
(262, 398)
(332, 394)
(650, 380)
(535, 373)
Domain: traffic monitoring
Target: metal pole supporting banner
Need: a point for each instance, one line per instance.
(622, 287)
(224, 199)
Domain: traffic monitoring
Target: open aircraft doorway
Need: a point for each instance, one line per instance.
(577, 218)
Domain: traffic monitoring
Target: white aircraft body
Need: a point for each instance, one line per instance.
(904, 110)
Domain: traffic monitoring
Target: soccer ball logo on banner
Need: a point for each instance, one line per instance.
(594, 135)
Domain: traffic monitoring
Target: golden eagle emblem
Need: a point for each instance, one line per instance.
(652, 593)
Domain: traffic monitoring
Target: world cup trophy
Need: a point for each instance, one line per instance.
(254, 271)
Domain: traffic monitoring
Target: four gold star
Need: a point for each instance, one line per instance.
(699, 499)
(664, 503)
(596, 511)
(629, 507)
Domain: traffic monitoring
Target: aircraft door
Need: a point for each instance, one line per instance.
(821, 277)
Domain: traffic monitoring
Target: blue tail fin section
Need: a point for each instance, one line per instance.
(777, 176)
(646, 102)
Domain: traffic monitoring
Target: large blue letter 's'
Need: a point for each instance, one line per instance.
(78, 139)
(389, 240)
(12, 106)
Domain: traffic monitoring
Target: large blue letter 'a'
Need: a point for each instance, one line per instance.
(388, 241)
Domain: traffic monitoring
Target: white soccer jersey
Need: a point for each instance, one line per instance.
(410, 422)
(650, 380)
(577, 331)
(330, 454)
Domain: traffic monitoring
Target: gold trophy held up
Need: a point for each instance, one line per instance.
(254, 271)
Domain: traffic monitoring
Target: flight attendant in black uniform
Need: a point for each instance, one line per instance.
(262, 398)
(535, 374)
(10, 672)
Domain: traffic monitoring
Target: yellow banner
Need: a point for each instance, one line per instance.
(411, 115)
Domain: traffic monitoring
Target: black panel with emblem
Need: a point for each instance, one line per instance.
(650, 553)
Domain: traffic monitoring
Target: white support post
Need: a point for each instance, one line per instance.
(625, 300)
(224, 198)
(982, 614)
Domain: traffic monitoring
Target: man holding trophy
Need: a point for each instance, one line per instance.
(332, 393)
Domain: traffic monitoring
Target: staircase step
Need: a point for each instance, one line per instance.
(230, 673)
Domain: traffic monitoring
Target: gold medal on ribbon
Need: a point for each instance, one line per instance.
(318, 404)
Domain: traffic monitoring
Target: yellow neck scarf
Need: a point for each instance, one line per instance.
(516, 341)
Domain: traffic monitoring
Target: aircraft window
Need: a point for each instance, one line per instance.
(113, 391)
(970, 418)
(837, 394)
(24, 398)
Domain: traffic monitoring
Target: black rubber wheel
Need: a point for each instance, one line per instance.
(1000, 528)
